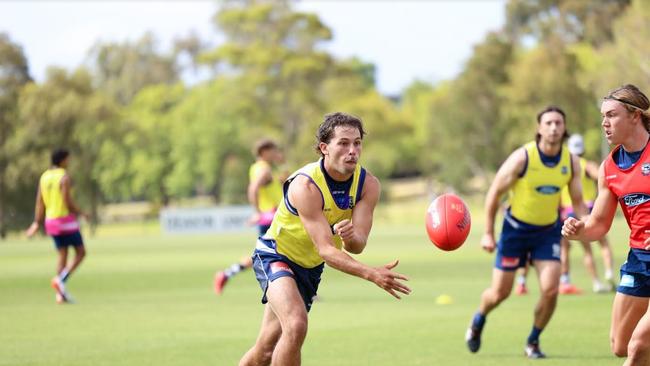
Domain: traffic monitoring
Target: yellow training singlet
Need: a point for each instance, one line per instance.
(535, 197)
(292, 240)
(589, 192)
(50, 185)
(269, 195)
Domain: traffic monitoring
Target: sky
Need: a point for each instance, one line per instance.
(406, 40)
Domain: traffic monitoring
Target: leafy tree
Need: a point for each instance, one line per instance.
(64, 111)
(123, 69)
(14, 74)
(573, 21)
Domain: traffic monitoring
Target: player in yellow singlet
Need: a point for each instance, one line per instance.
(327, 211)
(589, 176)
(535, 175)
(264, 194)
(55, 206)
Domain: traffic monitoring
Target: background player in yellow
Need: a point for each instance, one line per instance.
(55, 205)
(535, 175)
(264, 194)
(328, 206)
(589, 176)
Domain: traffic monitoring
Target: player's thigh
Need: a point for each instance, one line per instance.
(286, 302)
(548, 272)
(626, 313)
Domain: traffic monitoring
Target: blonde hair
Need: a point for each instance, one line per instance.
(633, 100)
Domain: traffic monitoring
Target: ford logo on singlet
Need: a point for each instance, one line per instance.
(635, 199)
(547, 189)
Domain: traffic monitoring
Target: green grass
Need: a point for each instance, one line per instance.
(146, 299)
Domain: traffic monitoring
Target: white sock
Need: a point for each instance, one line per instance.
(521, 279)
(565, 279)
(608, 275)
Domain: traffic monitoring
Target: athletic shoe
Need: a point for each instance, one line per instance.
(569, 289)
(220, 280)
(533, 351)
(59, 299)
(601, 288)
(521, 289)
(58, 286)
(473, 339)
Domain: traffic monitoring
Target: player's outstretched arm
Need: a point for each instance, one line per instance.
(307, 199)
(597, 224)
(39, 214)
(505, 178)
(355, 232)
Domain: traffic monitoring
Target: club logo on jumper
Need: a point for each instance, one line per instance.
(610, 177)
(635, 199)
(645, 169)
(564, 169)
(547, 189)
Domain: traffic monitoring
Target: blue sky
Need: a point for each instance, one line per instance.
(406, 40)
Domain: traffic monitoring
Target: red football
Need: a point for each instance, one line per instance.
(448, 221)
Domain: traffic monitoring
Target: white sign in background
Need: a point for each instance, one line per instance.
(206, 220)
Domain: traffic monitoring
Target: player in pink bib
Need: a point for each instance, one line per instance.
(55, 206)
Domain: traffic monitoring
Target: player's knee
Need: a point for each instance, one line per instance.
(501, 294)
(550, 292)
(619, 349)
(296, 328)
(636, 348)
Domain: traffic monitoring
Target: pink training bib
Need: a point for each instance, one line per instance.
(62, 225)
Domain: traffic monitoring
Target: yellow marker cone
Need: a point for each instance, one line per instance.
(444, 299)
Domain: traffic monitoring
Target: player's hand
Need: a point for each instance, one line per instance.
(390, 281)
(33, 229)
(344, 229)
(572, 228)
(647, 241)
(254, 219)
(487, 242)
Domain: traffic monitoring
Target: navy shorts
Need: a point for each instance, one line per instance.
(263, 229)
(520, 242)
(635, 274)
(269, 265)
(67, 240)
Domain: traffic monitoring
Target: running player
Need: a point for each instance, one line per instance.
(328, 206)
(264, 194)
(624, 178)
(54, 203)
(535, 175)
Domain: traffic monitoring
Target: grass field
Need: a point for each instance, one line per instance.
(146, 299)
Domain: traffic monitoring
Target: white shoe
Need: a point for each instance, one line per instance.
(601, 288)
(59, 287)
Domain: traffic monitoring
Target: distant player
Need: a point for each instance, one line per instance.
(535, 175)
(328, 206)
(589, 176)
(54, 203)
(264, 194)
(624, 178)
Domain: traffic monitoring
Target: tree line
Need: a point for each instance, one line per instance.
(138, 131)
